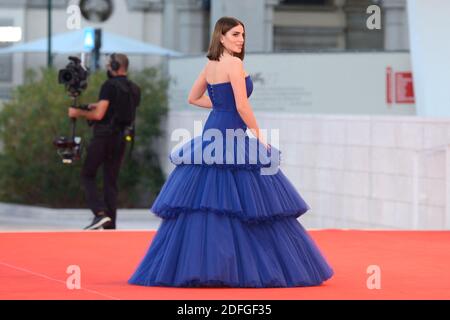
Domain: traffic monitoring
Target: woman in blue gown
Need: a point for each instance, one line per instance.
(229, 214)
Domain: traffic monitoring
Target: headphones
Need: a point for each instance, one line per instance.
(115, 65)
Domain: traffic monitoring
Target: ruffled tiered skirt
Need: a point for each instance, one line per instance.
(230, 226)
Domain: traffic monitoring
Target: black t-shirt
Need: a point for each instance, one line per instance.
(108, 91)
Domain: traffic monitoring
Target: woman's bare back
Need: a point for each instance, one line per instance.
(217, 71)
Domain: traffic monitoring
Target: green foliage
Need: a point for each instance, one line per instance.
(31, 172)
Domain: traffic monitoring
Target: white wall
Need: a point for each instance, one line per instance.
(356, 171)
(430, 51)
(313, 83)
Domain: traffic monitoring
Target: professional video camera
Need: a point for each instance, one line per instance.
(74, 77)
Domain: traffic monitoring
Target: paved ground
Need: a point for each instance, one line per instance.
(24, 218)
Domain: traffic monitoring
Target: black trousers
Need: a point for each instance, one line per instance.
(106, 151)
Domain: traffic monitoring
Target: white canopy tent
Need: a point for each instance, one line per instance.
(74, 42)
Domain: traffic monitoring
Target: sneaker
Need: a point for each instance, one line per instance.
(98, 222)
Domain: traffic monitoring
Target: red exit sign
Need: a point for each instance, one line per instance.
(400, 84)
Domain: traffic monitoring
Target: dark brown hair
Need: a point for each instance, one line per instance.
(223, 25)
(123, 60)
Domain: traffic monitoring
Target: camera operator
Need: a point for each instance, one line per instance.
(112, 116)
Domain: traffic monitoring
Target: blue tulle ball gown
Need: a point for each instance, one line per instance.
(226, 223)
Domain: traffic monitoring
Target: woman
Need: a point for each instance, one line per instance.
(226, 223)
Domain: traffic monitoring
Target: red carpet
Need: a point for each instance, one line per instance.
(414, 265)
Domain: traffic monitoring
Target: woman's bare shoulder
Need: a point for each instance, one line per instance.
(235, 64)
(233, 61)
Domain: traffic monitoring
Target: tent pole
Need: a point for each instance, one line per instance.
(49, 31)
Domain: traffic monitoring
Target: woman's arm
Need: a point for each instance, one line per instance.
(197, 95)
(237, 78)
